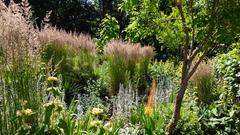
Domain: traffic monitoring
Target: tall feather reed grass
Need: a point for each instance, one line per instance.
(204, 82)
(128, 63)
(72, 55)
(21, 82)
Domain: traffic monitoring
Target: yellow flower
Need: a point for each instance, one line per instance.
(18, 113)
(54, 116)
(52, 78)
(149, 110)
(28, 112)
(97, 111)
(95, 123)
(54, 103)
(26, 126)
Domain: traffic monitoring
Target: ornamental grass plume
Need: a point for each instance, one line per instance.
(18, 38)
(52, 35)
(128, 51)
(126, 60)
(204, 83)
(151, 99)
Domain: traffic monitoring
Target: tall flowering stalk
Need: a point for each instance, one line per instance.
(151, 99)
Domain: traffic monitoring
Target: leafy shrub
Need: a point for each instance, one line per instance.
(167, 77)
(161, 70)
(188, 123)
(228, 68)
(109, 29)
(222, 117)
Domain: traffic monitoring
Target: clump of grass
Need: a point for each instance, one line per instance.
(20, 74)
(126, 61)
(204, 83)
(72, 55)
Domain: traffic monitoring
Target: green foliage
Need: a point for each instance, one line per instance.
(188, 123)
(155, 123)
(94, 96)
(20, 83)
(31, 103)
(160, 70)
(228, 67)
(163, 27)
(117, 73)
(109, 29)
(96, 122)
(204, 89)
(222, 117)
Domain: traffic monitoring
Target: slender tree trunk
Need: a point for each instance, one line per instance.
(189, 54)
(176, 114)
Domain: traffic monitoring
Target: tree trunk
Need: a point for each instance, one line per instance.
(176, 114)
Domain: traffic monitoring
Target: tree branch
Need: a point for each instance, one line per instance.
(191, 72)
(198, 49)
(187, 38)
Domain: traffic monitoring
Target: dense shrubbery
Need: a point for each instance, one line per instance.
(228, 68)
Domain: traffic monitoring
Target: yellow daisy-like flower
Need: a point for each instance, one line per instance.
(149, 110)
(28, 112)
(97, 111)
(52, 78)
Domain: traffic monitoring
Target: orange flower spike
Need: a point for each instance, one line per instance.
(151, 99)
